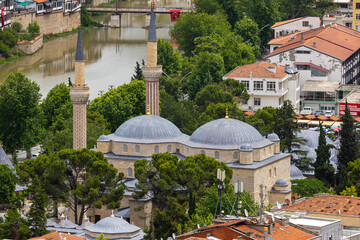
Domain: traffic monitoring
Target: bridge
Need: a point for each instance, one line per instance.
(135, 10)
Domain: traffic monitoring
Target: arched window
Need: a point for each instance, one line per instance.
(125, 148)
(137, 148)
(157, 149)
(236, 155)
(269, 173)
(217, 155)
(274, 171)
(169, 148)
(264, 153)
(202, 152)
(129, 172)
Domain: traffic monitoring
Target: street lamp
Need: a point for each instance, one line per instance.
(221, 177)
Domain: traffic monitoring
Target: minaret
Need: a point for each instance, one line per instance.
(79, 94)
(152, 71)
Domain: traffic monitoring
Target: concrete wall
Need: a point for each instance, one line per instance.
(30, 47)
(296, 26)
(51, 23)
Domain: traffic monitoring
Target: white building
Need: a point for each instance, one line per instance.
(267, 84)
(343, 15)
(330, 53)
(285, 28)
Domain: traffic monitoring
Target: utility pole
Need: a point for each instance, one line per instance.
(262, 200)
(221, 185)
(238, 189)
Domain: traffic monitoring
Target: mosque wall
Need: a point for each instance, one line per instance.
(140, 213)
(123, 165)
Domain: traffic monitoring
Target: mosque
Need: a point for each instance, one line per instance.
(255, 160)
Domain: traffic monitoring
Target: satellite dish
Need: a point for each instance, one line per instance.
(173, 235)
(278, 205)
(287, 201)
(246, 212)
(293, 199)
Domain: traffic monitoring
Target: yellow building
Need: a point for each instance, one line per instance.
(356, 15)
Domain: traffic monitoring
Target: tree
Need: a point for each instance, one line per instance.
(138, 75)
(348, 149)
(14, 227)
(324, 171)
(301, 8)
(167, 58)
(19, 112)
(190, 26)
(33, 28)
(7, 184)
(212, 94)
(216, 111)
(121, 103)
(208, 6)
(263, 120)
(249, 31)
(349, 191)
(8, 37)
(16, 27)
(308, 187)
(354, 174)
(79, 178)
(102, 237)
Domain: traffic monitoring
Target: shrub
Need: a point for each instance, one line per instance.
(4, 50)
(33, 28)
(8, 38)
(17, 27)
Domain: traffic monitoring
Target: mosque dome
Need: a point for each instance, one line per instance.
(226, 132)
(103, 138)
(273, 137)
(280, 183)
(246, 147)
(112, 225)
(147, 128)
(295, 173)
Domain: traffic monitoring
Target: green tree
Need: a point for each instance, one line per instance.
(102, 237)
(308, 187)
(8, 37)
(212, 94)
(16, 27)
(263, 120)
(349, 191)
(301, 8)
(19, 112)
(249, 31)
(167, 58)
(324, 171)
(216, 111)
(33, 28)
(138, 75)
(354, 174)
(208, 6)
(121, 103)
(14, 227)
(4, 50)
(7, 184)
(348, 149)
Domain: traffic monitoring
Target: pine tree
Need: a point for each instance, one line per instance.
(324, 171)
(138, 75)
(348, 149)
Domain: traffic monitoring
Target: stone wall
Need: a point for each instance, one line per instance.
(30, 47)
(51, 23)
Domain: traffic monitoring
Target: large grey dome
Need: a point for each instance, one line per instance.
(112, 225)
(226, 132)
(147, 127)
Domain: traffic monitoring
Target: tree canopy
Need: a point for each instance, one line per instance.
(7, 184)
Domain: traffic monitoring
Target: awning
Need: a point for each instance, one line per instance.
(303, 121)
(328, 123)
(314, 122)
(320, 86)
(311, 65)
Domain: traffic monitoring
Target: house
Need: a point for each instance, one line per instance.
(342, 15)
(291, 26)
(6, 6)
(267, 84)
(330, 53)
(70, 6)
(356, 15)
(344, 208)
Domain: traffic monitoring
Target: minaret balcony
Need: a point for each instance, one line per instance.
(152, 73)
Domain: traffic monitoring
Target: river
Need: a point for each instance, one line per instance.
(110, 53)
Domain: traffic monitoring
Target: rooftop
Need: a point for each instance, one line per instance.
(335, 40)
(320, 86)
(58, 236)
(330, 204)
(257, 70)
(285, 22)
(352, 97)
(284, 39)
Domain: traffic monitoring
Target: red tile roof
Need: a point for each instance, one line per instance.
(346, 204)
(322, 118)
(248, 113)
(258, 70)
(311, 65)
(283, 40)
(334, 40)
(40, 1)
(290, 233)
(57, 236)
(310, 117)
(285, 22)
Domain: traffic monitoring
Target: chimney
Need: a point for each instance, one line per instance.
(62, 220)
(314, 44)
(330, 204)
(302, 37)
(250, 75)
(265, 232)
(272, 69)
(285, 221)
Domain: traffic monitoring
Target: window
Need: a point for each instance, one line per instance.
(129, 172)
(125, 148)
(280, 86)
(258, 85)
(357, 6)
(343, 5)
(169, 148)
(357, 16)
(264, 151)
(305, 23)
(157, 149)
(269, 173)
(257, 101)
(270, 86)
(274, 171)
(217, 155)
(202, 152)
(236, 155)
(246, 83)
(137, 148)
(302, 52)
(303, 67)
(40, 7)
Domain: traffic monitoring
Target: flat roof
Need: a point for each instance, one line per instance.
(352, 97)
(320, 86)
(311, 222)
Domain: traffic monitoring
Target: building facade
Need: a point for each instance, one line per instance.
(291, 26)
(6, 6)
(342, 15)
(356, 15)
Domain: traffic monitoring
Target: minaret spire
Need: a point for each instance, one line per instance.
(152, 71)
(79, 94)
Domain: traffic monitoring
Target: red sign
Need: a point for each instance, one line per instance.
(175, 14)
(2, 17)
(354, 109)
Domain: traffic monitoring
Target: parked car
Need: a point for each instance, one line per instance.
(328, 113)
(318, 113)
(306, 111)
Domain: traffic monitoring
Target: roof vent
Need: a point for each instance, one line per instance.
(314, 44)
(272, 69)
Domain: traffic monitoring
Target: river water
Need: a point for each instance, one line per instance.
(110, 53)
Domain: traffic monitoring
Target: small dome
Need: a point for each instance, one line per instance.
(280, 183)
(273, 137)
(223, 132)
(112, 225)
(295, 173)
(103, 138)
(246, 147)
(147, 127)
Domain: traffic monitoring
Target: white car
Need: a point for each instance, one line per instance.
(328, 113)
(306, 111)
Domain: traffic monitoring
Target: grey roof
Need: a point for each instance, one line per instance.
(112, 225)
(246, 147)
(79, 48)
(103, 138)
(51, 223)
(4, 159)
(137, 237)
(256, 165)
(147, 129)
(68, 224)
(152, 29)
(126, 157)
(226, 132)
(295, 173)
(273, 137)
(130, 182)
(280, 183)
(123, 212)
(320, 86)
